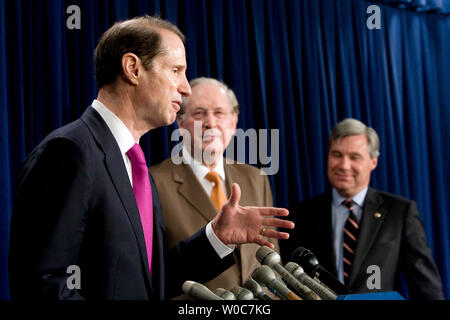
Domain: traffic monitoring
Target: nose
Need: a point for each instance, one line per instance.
(184, 88)
(209, 121)
(345, 163)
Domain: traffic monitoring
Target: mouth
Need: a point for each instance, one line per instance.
(208, 138)
(176, 105)
(211, 135)
(343, 176)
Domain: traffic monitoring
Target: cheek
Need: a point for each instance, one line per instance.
(227, 134)
(360, 172)
(332, 164)
(190, 132)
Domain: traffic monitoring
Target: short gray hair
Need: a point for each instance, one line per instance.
(234, 105)
(353, 127)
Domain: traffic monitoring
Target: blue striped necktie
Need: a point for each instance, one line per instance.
(351, 230)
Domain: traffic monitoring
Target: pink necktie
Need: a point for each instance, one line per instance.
(143, 193)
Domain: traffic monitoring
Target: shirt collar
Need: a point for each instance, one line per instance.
(123, 136)
(199, 169)
(358, 198)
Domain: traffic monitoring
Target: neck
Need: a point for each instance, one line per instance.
(210, 164)
(348, 195)
(213, 160)
(118, 100)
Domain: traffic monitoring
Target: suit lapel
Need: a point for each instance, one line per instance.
(325, 223)
(245, 252)
(370, 225)
(117, 171)
(191, 189)
(229, 178)
(159, 277)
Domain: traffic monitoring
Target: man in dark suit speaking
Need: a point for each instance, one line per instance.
(86, 202)
(358, 232)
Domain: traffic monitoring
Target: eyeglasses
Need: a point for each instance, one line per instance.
(202, 114)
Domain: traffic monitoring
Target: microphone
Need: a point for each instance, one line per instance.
(225, 294)
(242, 293)
(265, 275)
(310, 264)
(270, 258)
(254, 287)
(198, 291)
(300, 275)
(270, 288)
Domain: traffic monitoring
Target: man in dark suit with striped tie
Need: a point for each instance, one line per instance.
(354, 229)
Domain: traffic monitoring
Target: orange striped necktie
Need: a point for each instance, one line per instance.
(351, 230)
(218, 197)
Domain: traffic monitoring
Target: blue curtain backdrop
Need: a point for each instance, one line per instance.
(298, 66)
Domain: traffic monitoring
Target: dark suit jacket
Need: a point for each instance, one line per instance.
(75, 206)
(395, 242)
(187, 208)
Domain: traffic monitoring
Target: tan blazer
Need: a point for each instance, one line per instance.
(187, 208)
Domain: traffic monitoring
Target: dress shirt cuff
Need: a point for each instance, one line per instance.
(222, 249)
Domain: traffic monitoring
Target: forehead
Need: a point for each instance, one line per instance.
(351, 144)
(173, 47)
(208, 95)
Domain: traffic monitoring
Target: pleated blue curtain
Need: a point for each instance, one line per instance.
(435, 6)
(298, 66)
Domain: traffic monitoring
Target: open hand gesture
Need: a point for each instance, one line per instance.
(235, 224)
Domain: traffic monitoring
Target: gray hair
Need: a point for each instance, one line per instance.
(234, 105)
(353, 127)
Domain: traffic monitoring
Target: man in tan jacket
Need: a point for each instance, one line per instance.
(192, 192)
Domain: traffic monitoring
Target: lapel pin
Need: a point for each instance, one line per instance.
(377, 215)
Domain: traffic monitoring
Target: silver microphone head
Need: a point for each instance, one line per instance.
(225, 294)
(267, 256)
(242, 293)
(198, 291)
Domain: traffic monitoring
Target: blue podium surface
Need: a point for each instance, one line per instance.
(388, 295)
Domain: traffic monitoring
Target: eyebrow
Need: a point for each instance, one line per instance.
(356, 154)
(181, 66)
(202, 108)
(351, 154)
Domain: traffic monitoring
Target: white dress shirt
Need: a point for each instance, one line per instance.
(200, 171)
(125, 140)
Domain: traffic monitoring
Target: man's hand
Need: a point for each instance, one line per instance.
(236, 225)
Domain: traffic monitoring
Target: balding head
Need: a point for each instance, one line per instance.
(140, 35)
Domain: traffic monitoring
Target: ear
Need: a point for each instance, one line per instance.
(374, 163)
(235, 120)
(131, 65)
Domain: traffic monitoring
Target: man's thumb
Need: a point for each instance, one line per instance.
(235, 195)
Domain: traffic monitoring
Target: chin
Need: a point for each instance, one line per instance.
(167, 121)
(343, 192)
(341, 187)
(171, 120)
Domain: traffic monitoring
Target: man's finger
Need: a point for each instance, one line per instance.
(278, 223)
(263, 242)
(235, 195)
(270, 233)
(271, 211)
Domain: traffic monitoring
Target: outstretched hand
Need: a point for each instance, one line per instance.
(235, 224)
